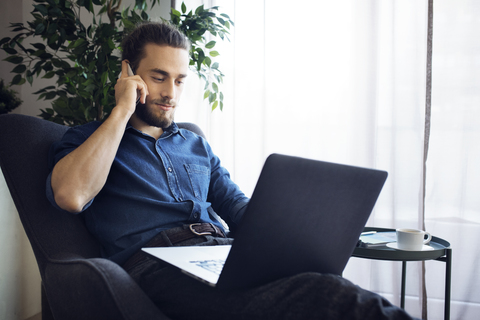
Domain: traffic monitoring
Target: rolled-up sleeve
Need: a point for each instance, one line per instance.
(71, 140)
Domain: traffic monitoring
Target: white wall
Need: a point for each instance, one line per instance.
(19, 276)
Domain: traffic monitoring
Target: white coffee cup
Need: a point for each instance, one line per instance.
(412, 239)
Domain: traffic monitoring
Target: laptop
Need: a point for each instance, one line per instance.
(304, 216)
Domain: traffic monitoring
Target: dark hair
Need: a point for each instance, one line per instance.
(160, 33)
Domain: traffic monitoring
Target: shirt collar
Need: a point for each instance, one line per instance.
(173, 129)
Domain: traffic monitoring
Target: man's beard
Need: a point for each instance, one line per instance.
(164, 120)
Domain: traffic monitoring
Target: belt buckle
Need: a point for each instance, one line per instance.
(199, 233)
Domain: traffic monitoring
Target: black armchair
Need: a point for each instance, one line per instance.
(76, 282)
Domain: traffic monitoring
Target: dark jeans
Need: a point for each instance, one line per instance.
(303, 296)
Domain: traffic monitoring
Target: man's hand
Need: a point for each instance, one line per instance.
(128, 89)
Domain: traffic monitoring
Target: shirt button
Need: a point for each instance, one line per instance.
(169, 169)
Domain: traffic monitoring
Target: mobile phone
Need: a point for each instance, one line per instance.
(129, 72)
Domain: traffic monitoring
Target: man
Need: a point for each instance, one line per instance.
(145, 174)
(140, 181)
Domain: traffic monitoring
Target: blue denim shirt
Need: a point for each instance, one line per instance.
(153, 185)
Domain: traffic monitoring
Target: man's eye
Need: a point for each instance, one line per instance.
(158, 79)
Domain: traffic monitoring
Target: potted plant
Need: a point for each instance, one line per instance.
(84, 59)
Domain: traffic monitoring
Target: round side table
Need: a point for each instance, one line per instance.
(441, 252)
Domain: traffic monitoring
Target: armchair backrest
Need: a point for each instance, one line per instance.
(24, 146)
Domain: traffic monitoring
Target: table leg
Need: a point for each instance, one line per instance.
(448, 281)
(404, 276)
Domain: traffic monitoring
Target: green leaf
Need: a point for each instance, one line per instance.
(29, 78)
(48, 66)
(103, 10)
(210, 45)
(44, 89)
(141, 4)
(60, 107)
(71, 73)
(214, 53)
(80, 51)
(49, 75)
(184, 7)
(88, 82)
(225, 15)
(213, 97)
(207, 61)
(14, 59)
(10, 50)
(45, 56)
(89, 5)
(39, 46)
(55, 12)
(57, 63)
(17, 80)
(78, 43)
(104, 78)
(206, 94)
(19, 69)
(215, 87)
(128, 24)
(5, 40)
(52, 28)
(39, 28)
(176, 13)
(110, 43)
(50, 95)
(199, 10)
(41, 8)
(214, 106)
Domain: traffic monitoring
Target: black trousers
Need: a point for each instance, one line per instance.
(303, 296)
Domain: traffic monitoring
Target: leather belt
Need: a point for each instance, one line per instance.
(173, 236)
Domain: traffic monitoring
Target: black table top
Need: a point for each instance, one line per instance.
(385, 253)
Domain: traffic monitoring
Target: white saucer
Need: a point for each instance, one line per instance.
(394, 245)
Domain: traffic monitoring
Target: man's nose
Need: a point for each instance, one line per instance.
(169, 90)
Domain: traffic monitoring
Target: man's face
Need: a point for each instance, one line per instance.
(164, 70)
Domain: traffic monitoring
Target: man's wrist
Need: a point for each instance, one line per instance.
(120, 113)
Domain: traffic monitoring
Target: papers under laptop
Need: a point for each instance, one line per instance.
(304, 216)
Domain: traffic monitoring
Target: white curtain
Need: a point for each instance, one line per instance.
(344, 81)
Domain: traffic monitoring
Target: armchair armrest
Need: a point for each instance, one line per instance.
(95, 289)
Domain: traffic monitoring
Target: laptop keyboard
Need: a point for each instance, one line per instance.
(214, 266)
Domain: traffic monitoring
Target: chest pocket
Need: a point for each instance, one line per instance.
(199, 180)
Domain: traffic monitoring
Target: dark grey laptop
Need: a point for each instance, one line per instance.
(304, 216)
